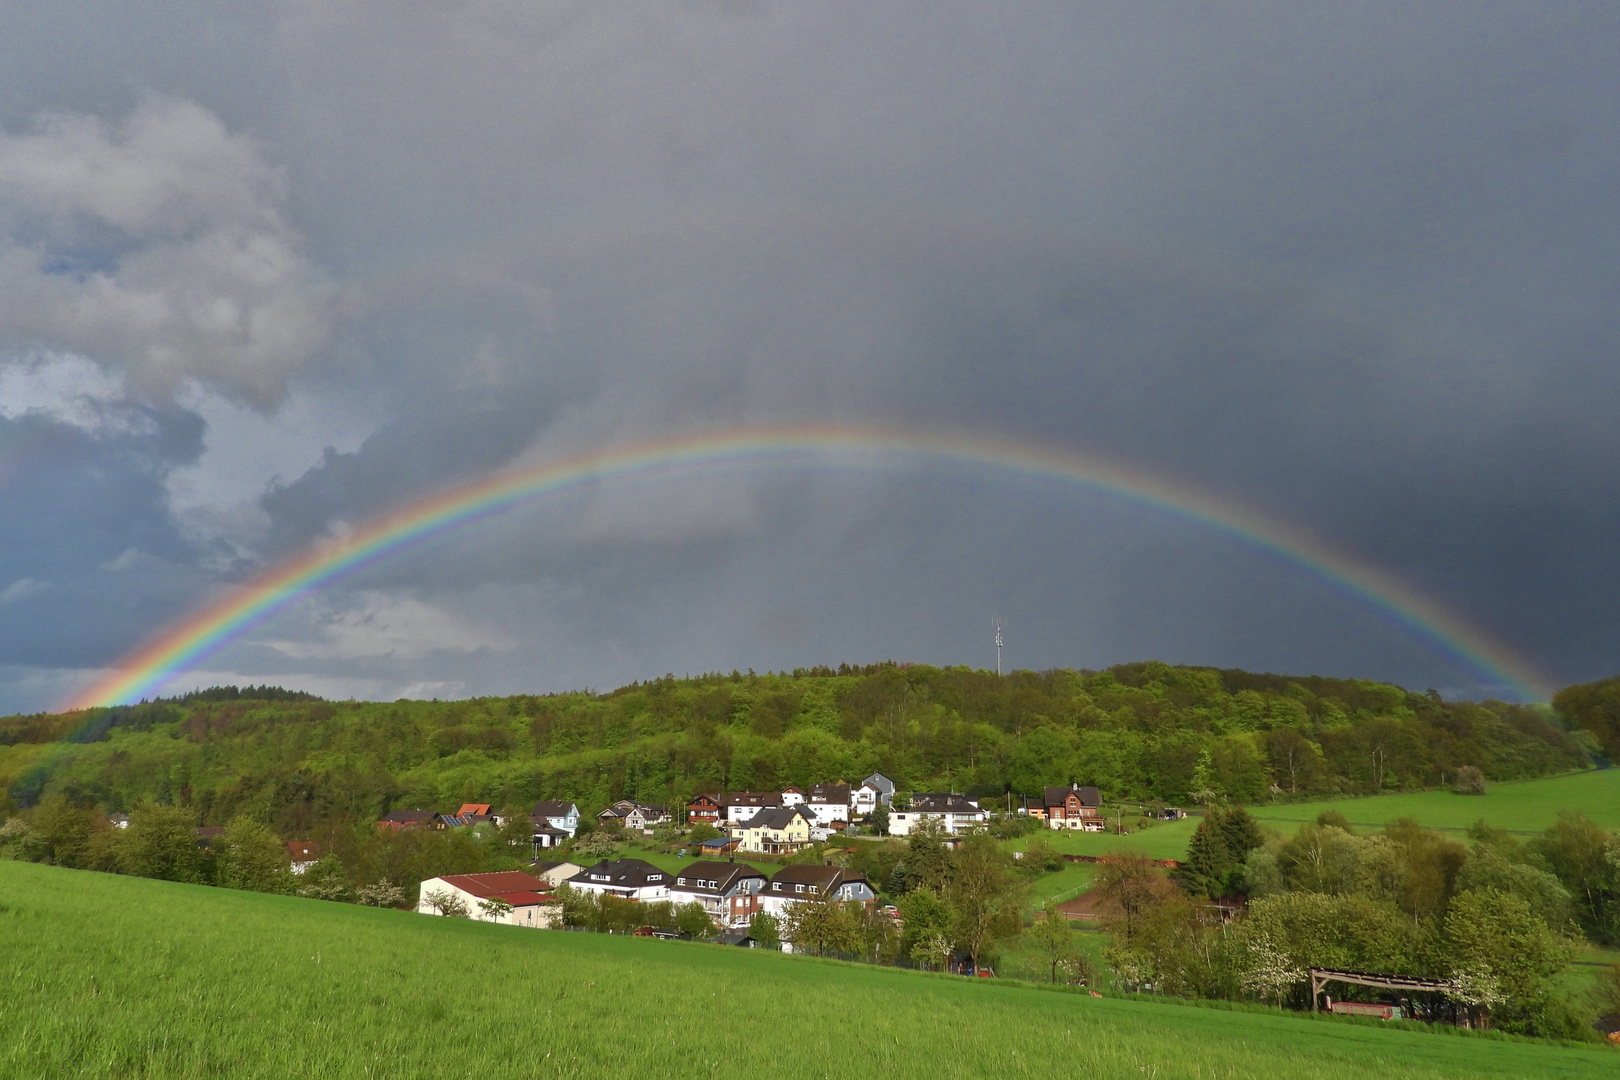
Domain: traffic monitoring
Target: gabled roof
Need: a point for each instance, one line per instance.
(726, 876)
(752, 798)
(553, 808)
(825, 877)
(302, 851)
(878, 782)
(779, 818)
(479, 808)
(408, 817)
(705, 797)
(500, 883)
(830, 794)
(622, 874)
(943, 804)
(1089, 796)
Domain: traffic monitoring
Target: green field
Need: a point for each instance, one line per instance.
(1527, 806)
(125, 977)
(1166, 840)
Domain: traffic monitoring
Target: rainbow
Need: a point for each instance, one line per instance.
(148, 669)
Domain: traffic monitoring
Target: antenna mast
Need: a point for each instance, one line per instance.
(1000, 624)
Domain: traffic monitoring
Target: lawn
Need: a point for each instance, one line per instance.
(1526, 806)
(1164, 840)
(123, 977)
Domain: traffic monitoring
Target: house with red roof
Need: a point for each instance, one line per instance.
(508, 896)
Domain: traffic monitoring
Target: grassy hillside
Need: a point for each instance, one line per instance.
(124, 977)
(1521, 806)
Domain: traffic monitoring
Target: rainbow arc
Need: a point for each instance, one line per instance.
(146, 671)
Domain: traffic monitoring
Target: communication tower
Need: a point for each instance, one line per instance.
(1000, 624)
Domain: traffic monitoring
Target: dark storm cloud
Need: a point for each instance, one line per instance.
(1351, 265)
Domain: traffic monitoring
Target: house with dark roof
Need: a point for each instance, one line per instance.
(956, 813)
(628, 879)
(1073, 807)
(729, 892)
(741, 806)
(876, 790)
(830, 803)
(554, 822)
(410, 819)
(780, 831)
(509, 896)
(705, 808)
(805, 882)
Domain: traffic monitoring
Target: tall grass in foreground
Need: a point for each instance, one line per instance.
(124, 977)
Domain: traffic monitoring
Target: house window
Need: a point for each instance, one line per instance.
(798, 888)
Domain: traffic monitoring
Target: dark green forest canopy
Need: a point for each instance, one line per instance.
(1145, 731)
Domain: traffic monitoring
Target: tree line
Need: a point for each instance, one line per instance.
(1496, 919)
(1140, 732)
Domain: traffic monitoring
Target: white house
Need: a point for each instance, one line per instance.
(792, 796)
(804, 882)
(876, 790)
(729, 892)
(558, 815)
(956, 812)
(628, 879)
(829, 802)
(301, 855)
(512, 897)
(741, 806)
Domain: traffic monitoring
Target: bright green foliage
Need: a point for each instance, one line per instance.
(1137, 731)
(1053, 936)
(986, 896)
(161, 842)
(1586, 861)
(924, 914)
(1498, 935)
(765, 931)
(690, 918)
(110, 976)
(252, 858)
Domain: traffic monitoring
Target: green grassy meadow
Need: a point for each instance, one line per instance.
(1521, 805)
(124, 977)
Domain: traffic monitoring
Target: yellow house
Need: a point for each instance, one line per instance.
(777, 832)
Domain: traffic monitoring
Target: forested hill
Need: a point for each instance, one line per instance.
(1139, 731)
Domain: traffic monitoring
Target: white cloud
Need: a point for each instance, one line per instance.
(21, 589)
(157, 245)
(393, 626)
(68, 389)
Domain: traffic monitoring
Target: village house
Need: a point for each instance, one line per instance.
(628, 879)
(956, 813)
(472, 814)
(410, 819)
(634, 815)
(719, 845)
(703, 808)
(301, 855)
(554, 822)
(1072, 807)
(805, 882)
(513, 898)
(829, 803)
(781, 831)
(743, 805)
(792, 796)
(554, 873)
(876, 790)
(729, 892)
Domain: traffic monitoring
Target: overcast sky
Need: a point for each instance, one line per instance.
(269, 269)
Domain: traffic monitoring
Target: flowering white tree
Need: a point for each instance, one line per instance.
(447, 904)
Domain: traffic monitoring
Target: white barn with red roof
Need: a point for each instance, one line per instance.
(509, 896)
